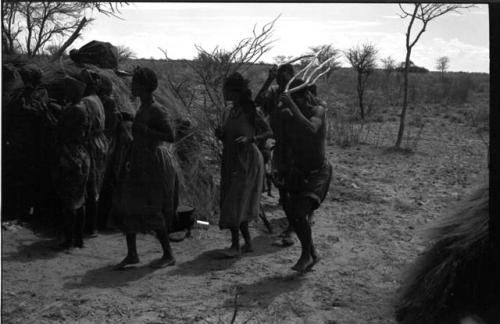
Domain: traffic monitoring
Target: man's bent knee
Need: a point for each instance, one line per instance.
(299, 208)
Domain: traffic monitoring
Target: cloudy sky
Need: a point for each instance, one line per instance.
(177, 27)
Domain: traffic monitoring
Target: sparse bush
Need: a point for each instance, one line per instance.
(460, 89)
(363, 60)
(479, 117)
(125, 53)
(344, 129)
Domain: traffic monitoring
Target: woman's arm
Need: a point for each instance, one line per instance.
(159, 127)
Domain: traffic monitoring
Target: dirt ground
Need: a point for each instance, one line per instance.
(369, 228)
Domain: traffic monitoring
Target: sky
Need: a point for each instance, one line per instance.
(177, 27)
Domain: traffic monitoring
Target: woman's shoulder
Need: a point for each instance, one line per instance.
(158, 108)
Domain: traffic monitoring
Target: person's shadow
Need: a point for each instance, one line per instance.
(42, 249)
(207, 261)
(107, 277)
(215, 260)
(263, 292)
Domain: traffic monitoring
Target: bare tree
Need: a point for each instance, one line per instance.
(125, 53)
(10, 26)
(442, 65)
(164, 52)
(363, 60)
(423, 14)
(388, 65)
(40, 22)
(212, 67)
(326, 52)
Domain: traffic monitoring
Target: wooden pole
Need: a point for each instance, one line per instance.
(71, 39)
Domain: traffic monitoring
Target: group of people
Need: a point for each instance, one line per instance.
(63, 142)
(136, 183)
(300, 169)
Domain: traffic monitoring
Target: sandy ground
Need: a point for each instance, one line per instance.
(369, 228)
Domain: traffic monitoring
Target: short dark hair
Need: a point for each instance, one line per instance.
(31, 74)
(146, 77)
(288, 68)
(236, 82)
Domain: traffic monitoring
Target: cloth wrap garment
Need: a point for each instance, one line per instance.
(242, 173)
(72, 167)
(147, 194)
(97, 145)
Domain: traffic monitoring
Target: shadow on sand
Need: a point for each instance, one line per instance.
(38, 250)
(263, 292)
(205, 262)
(106, 277)
(214, 260)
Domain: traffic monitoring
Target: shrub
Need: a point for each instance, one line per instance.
(460, 88)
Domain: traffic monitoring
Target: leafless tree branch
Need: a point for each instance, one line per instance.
(423, 13)
(44, 21)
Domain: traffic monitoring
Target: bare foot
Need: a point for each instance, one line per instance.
(315, 259)
(162, 263)
(303, 264)
(247, 248)
(129, 260)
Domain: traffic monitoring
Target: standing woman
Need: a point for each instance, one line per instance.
(112, 119)
(97, 147)
(146, 197)
(71, 170)
(242, 170)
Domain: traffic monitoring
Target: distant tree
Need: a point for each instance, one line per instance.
(326, 52)
(125, 53)
(280, 59)
(43, 21)
(423, 13)
(363, 61)
(442, 65)
(388, 65)
(412, 68)
(165, 53)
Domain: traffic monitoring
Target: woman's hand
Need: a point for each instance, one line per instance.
(244, 140)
